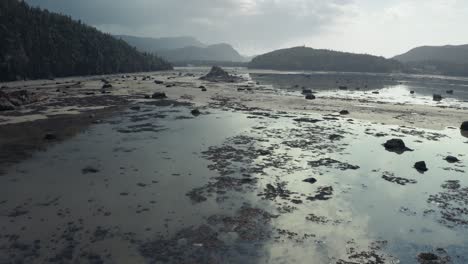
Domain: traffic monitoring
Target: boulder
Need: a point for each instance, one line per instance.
(344, 112)
(158, 82)
(421, 166)
(437, 97)
(310, 97)
(203, 89)
(217, 74)
(310, 180)
(107, 86)
(195, 112)
(396, 145)
(411, 92)
(159, 95)
(452, 159)
(376, 92)
(464, 126)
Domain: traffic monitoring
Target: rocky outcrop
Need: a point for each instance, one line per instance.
(217, 74)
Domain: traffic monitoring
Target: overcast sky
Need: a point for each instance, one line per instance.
(379, 27)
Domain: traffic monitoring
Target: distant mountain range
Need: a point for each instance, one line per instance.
(304, 58)
(444, 60)
(185, 49)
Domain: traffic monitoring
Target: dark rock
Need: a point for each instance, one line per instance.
(136, 108)
(427, 257)
(5, 104)
(376, 92)
(421, 166)
(107, 86)
(411, 92)
(9, 101)
(89, 169)
(396, 145)
(343, 87)
(158, 82)
(449, 91)
(310, 180)
(306, 91)
(452, 159)
(50, 136)
(437, 97)
(147, 96)
(464, 126)
(159, 95)
(217, 74)
(310, 97)
(334, 137)
(203, 89)
(344, 112)
(195, 112)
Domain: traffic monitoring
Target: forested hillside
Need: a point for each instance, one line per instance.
(36, 43)
(303, 58)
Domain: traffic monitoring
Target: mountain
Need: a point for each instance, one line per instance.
(185, 49)
(303, 58)
(449, 53)
(441, 60)
(218, 52)
(154, 45)
(36, 43)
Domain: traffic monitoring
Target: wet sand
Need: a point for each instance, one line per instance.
(257, 177)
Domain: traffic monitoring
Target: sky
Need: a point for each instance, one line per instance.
(379, 27)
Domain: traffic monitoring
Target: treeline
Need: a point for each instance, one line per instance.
(303, 58)
(36, 43)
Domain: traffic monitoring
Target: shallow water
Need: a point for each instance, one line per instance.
(118, 192)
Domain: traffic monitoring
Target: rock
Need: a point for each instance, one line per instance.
(334, 137)
(343, 87)
(396, 145)
(135, 107)
(437, 97)
(147, 96)
(158, 82)
(107, 86)
(203, 89)
(421, 166)
(89, 169)
(306, 91)
(427, 258)
(464, 126)
(310, 180)
(411, 92)
(452, 159)
(159, 95)
(376, 92)
(344, 112)
(310, 97)
(195, 112)
(217, 74)
(449, 91)
(50, 136)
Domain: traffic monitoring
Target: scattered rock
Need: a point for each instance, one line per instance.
(452, 159)
(159, 95)
(396, 145)
(344, 112)
(420, 166)
(310, 180)
(437, 97)
(9, 101)
(310, 97)
(427, 258)
(217, 74)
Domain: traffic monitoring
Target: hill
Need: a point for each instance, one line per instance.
(154, 45)
(303, 58)
(186, 50)
(449, 53)
(36, 43)
(442, 60)
(218, 52)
